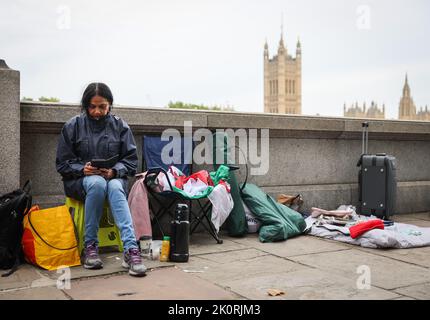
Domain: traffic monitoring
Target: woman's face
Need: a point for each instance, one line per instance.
(99, 107)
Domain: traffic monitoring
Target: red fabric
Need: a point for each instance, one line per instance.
(28, 246)
(179, 183)
(203, 175)
(226, 185)
(27, 241)
(359, 229)
(173, 172)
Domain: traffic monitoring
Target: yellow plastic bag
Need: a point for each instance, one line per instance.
(49, 239)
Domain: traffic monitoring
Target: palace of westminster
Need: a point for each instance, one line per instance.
(283, 89)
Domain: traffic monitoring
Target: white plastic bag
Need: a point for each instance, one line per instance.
(253, 223)
(154, 250)
(195, 187)
(222, 204)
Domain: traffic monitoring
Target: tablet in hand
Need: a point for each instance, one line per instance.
(105, 163)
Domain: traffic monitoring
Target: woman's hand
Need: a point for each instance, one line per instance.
(91, 171)
(108, 173)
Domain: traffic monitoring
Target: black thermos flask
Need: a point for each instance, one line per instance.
(180, 230)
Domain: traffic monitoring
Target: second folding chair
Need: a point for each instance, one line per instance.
(166, 200)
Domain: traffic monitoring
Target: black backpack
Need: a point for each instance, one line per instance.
(13, 207)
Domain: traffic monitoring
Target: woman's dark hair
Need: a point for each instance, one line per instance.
(96, 89)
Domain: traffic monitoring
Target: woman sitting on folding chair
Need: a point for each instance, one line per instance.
(97, 134)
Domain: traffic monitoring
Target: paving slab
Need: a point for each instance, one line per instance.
(47, 293)
(404, 298)
(161, 284)
(405, 219)
(307, 284)
(412, 216)
(202, 243)
(293, 247)
(231, 256)
(415, 222)
(22, 278)
(386, 273)
(418, 256)
(111, 265)
(419, 223)
(219, 272)
(245, 267)
(422, 216)
(420, 291)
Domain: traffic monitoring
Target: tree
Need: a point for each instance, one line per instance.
(26, 99)
(51, 99)
(181, 105)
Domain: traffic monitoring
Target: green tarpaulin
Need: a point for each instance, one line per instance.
(278, 222)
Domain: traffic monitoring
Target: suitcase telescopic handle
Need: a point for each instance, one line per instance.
(365, 142)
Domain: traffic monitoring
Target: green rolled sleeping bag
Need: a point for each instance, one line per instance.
(278, 222)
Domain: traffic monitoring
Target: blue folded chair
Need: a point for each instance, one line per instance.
(166, 200)
(152, 147)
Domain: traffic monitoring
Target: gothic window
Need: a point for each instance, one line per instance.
(286, 86)
(270, 86)
(276, 86)
(294, 86)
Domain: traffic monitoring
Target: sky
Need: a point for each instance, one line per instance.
(211, 52)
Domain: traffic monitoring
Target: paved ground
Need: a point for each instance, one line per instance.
(304, 267)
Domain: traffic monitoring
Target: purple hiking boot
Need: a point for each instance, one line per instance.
(133, 262)
(91, 257)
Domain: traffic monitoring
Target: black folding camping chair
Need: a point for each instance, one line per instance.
(166, 200)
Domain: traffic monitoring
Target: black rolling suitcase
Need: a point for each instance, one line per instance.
(377, 182)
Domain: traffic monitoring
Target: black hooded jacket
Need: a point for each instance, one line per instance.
(83, 139)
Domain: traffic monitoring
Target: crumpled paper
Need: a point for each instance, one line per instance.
(275, 292)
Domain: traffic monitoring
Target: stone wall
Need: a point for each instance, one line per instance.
(315, 156)
(9, 128)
